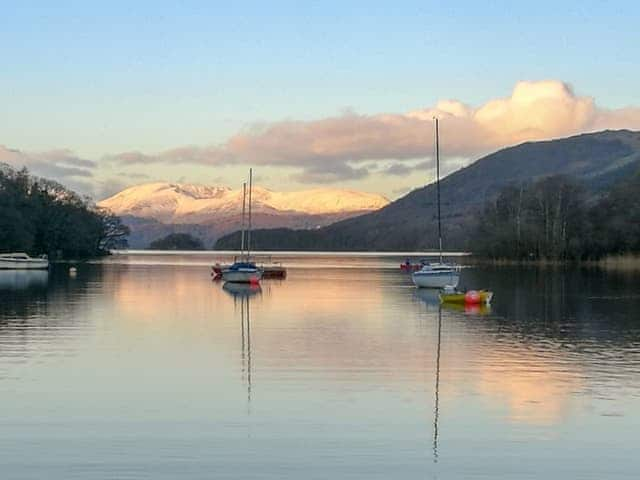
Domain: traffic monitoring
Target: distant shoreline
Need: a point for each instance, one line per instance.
(630, 262)
(614, 262)
(341, 253)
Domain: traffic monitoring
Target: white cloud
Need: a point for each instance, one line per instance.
(334, 148)
(352, 146)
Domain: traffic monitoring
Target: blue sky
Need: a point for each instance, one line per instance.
(108, 77)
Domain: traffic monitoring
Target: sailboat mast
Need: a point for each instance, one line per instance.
(437, 145)
(249, 229)
(244, 201)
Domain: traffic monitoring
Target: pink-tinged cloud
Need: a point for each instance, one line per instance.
(61, 165)
(335, 148)
(64, 166)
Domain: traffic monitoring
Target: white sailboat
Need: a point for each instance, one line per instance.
(439, 274)
(243, 270)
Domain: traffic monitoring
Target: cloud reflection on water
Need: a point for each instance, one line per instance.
(349, 329)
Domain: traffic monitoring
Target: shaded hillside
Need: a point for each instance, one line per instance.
(597, 160)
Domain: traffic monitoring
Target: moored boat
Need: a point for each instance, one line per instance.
(22, 261)
(216, 271)
(244, 270)
(437, 275)
(273, 271)
(470, 297)
(270, 269)
(408, 266)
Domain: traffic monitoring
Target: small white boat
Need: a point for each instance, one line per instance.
(242, 272)
(22, 261)
(270, 269)
(437, 275)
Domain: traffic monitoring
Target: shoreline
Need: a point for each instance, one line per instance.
(628, 262)
(300, 253)
(625, 262)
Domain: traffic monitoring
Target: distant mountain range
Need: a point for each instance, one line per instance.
(154, 210)
(598, 160)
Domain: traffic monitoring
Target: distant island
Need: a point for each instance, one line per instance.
(177, 241)
(588, 210)
(40, 216)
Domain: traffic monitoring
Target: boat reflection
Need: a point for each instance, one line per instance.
(23, 279)
(245, 316)
(468, 309)
(242, 293)
(242, 290)
(430, 298)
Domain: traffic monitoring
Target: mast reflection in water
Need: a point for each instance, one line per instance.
(242, 293)
(431, 299)
(436, 409)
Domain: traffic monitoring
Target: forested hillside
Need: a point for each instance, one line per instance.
(39, 216)
(554, 219)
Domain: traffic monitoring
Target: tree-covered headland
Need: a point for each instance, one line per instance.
(40, 216)
(555, 219)
(177, 241)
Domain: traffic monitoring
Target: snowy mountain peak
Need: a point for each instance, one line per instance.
(192, 203)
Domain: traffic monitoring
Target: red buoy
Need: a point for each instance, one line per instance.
(472, 297)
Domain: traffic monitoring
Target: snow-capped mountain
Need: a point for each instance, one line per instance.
(211, 211)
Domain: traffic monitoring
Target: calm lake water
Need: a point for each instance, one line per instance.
(142, 367)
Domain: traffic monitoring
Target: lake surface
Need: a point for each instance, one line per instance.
(142, 367)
